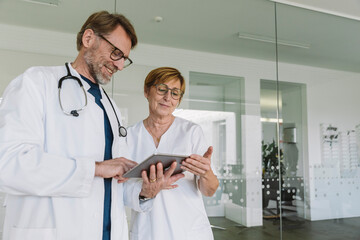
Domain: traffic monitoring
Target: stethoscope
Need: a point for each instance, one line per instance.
(75, 112)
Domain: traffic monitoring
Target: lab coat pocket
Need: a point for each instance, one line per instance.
(134, 236)
(32, 233)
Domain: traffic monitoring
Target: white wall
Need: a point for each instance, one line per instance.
(13, 63)
(331, 95)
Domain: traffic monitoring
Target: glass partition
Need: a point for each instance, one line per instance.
(319, 80)
(283, 179)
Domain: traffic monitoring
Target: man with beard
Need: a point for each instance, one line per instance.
(57, 128)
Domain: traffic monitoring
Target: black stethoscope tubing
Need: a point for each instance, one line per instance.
(122, 130)
(75, 112)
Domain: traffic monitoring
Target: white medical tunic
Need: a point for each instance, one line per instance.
(47, 161)
(177, 214)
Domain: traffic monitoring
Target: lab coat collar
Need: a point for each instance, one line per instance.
(76, 74)
(86, 84)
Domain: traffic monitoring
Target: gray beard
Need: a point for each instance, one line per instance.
(94, 71)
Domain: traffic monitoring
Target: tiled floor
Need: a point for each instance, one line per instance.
(293, 229)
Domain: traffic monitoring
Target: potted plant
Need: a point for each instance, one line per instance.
(270, 166)
(270, 160)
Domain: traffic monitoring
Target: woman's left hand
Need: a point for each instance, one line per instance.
(198, 165)
(159, 180)
(201, 166)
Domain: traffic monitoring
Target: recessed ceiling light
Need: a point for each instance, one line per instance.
(272, 40)
(53, 3)
(158, 19)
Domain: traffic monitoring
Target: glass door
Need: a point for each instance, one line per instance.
(319, 81)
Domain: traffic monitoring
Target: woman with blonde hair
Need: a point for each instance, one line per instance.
(178, 212)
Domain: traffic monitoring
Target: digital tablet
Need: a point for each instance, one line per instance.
(166, 160)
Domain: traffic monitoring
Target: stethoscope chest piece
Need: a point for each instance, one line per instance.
(122, 131)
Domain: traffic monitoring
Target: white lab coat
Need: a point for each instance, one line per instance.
(177, 214)
(47, 161)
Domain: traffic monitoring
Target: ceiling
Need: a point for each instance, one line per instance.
(320, 40)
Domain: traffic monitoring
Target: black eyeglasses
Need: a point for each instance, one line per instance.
(117, 54)
(162, 89)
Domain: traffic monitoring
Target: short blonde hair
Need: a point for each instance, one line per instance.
(163, 75)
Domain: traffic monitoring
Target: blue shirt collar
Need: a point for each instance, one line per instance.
(92, 85)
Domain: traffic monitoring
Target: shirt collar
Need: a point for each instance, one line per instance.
(92, 85)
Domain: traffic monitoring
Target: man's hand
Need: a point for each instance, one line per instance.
(158, 180)
(114, 168)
